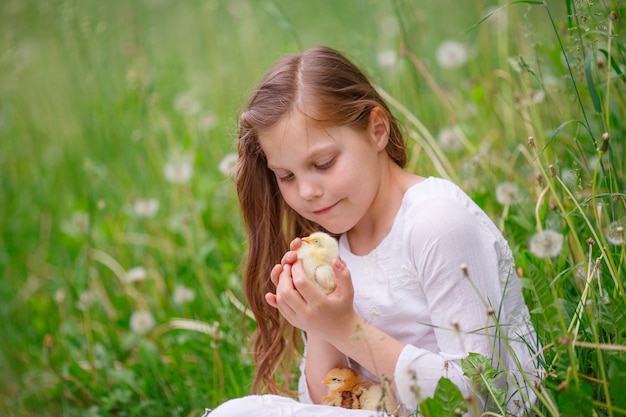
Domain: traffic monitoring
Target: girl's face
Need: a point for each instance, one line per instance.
(330, 176)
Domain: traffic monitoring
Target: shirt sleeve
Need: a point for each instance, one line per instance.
(456, 259)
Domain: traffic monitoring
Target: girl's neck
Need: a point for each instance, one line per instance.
(370, 231)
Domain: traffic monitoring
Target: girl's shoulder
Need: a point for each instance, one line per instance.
(433, 188)
(436, 204)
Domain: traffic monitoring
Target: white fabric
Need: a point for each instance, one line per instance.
(412, 287)
(276, 406)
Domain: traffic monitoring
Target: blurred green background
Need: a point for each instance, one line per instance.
(115, 196)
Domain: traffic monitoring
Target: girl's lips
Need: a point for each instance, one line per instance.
(324, 210)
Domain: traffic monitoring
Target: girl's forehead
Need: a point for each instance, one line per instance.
(293, 138)
(292, 127)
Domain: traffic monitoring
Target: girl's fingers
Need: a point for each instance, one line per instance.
(344, 279)
(295, 244)
(289, 257)
(271, 299)
(275, 273)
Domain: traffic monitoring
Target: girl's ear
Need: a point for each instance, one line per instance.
(379, 127)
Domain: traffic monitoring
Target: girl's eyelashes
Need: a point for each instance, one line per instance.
(325, 165)
(285, 178)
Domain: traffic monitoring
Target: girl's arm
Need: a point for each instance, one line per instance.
(320, 357)
(330, 320)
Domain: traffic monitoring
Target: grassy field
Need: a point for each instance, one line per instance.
(120, 239)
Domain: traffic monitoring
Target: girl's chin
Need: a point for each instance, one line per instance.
(334, 228)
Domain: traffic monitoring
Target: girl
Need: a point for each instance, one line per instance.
(423, 279)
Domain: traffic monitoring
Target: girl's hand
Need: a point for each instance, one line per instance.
(290, 257)
(306, 307)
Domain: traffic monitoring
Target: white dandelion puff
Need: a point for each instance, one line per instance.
(77, 225)
(497, 18)
(183, 294)
(207, 122)
(449, 139)
(515, 64)
(534, 97)
(570, 177)
(387, 58)
(614, 233)
(179, 168)
(228, 165)
(85, 300)
(507, 193)
(136, 274)
(178, 222)
(185, 103)
(452, 54)
(146, 207)
(546, 244)
(141, 322)
(59, 296)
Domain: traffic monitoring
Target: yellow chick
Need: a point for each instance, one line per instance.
(345, 386)
(317, 253)
(347, 389)
(378, 397)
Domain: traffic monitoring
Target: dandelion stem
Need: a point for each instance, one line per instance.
(538, 205)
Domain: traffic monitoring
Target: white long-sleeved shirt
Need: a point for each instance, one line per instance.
(413, 286)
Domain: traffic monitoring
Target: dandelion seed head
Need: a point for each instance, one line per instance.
(452, 54)
(615, 234)
(146, 207)
(179, 168)
(569, 177)
(185, 103)
(507, 193)
(178, 222)
(59, 296)
(85, 300)
(449, 140)
(228, 165)
(207, 122)
(388, 26)
(515, 64)
(546, 244)
(183, 294)
(498, 18)
(77, 225)
(141, 322)
(387, 58)
(537, 96)
(136, 274)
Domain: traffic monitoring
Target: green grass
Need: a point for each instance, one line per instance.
(89, 118)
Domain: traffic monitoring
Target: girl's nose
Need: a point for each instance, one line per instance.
(309, 189)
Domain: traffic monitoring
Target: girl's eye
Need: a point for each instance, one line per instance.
(285, 178)
(325, 165)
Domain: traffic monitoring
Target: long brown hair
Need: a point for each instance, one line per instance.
(337, 93)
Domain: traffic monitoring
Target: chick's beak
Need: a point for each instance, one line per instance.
(306, 239)
(326, 381)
